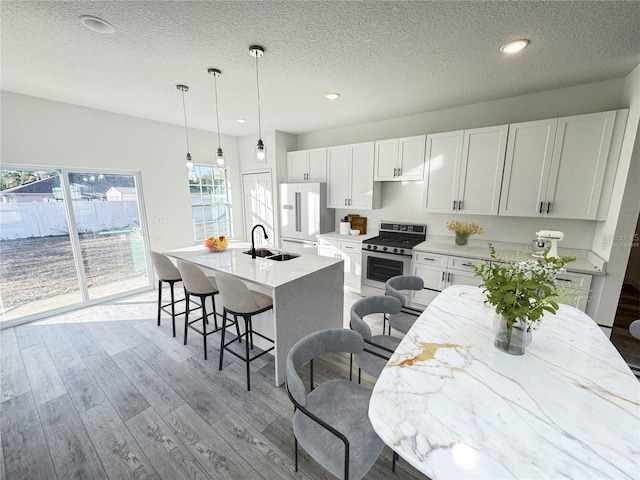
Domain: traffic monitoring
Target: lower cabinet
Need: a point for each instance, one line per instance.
(439, 272)
(351, 253)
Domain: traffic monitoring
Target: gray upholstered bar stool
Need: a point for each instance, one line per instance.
(404, 320)
(166, 272)
(239, 301)
(197, 284)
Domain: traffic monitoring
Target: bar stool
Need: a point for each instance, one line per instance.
(168, 273)
(238, 300)
(404, 320)
(197, 284)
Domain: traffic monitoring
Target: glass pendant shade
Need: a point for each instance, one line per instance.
(261, 152)
(220, 157)
(189, 162)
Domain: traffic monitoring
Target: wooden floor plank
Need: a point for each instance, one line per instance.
(254, 410)
(28, 336)
(129, 335)
(81, 340)
(211, 450)
(54, 337)
(198, 396)
(172, 347)
(24, 448)
(83, 389)
(13, 376)
(159, 395)
(122, 394)
(69, 445)
(166, 452)
(109, 341)
(44, 378)
(256, 449)
(8, 342)
(119, 453)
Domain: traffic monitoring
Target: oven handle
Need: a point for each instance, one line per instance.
(385, 254)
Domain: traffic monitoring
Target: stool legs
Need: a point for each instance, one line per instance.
(173, 308)
(159, 300)
(173, 303)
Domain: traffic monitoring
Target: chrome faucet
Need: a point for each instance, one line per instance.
(253, 243)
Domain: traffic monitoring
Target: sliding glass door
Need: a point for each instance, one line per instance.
(68, 239)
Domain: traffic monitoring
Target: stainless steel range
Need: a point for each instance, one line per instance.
(389, 254)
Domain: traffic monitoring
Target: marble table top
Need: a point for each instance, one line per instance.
(454, 406)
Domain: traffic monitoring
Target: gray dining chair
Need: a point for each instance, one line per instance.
(404, 320)
(239, 301)
(331, 422)
(167, 272)
(378, 348)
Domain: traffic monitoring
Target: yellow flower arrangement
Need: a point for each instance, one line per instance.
(463, 230)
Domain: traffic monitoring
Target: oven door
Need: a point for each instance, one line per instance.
(378, 267)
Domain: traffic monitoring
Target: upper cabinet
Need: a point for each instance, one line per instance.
(556, 168)
(464, 171)
(400, 159)
(350, 177)
(307, 165)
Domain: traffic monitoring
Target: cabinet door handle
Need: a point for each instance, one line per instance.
(345, 202)
(467, 265)
(349, 201)
(454, 205)
(394, 171)
(563, 279)
(548, 207)
(443, 276)
(448, 278)
(460, 205)
(429, 259)
(399, 172)
(541, 207)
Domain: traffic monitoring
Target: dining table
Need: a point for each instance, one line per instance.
(454, 406)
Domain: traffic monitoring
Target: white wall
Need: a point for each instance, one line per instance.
(38, 132)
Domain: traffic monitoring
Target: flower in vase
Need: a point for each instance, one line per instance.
(464, 230)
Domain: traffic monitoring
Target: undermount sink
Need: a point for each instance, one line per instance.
(261, 252)
(268, 254)
(283, 256)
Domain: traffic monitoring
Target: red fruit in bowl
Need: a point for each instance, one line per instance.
(213, 248)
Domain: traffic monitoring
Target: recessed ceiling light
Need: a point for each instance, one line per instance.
(96, 24)
(332, 95)
(515, 46)
(241, 120)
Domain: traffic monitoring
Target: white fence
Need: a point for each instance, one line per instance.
(44, 219)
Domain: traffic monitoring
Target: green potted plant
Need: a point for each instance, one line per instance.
(521, 292)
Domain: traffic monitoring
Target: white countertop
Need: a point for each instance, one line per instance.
(586, 261)
(454, 406)
(262, 271)
(348, 238)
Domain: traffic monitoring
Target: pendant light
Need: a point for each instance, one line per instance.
(217, 73)
(184, 88)
(261, 151)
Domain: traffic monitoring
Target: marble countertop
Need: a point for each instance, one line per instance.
(454, 406)
(261, 271)
(586, 261)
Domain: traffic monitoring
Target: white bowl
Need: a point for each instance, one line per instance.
(354, 232)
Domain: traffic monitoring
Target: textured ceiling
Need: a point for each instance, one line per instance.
(386, 58)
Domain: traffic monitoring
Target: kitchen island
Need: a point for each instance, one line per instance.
(307, 292)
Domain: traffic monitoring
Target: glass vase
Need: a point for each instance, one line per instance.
(462, 238)
(511, 337)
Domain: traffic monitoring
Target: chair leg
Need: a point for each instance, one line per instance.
(224, 327)
(186, 316)
(173, 308)
(384, 323)
(159, 300)
(204, 326)
(350, 367)
(251, 331)
(359, 374)
(215, 316)
(393, 464)
(235, 318)
(246, 347)
(295, 441)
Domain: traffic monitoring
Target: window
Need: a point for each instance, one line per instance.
(209, 202)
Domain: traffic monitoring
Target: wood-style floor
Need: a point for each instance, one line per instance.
(628, 311)
(103, 393)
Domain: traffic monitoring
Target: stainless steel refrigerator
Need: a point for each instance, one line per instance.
(304, 215)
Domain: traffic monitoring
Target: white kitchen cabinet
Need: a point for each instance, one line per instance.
(464, 171)
(350, 177)
(575, 289)
(307, 165)
(400, 159)
(350, 253)
(555, 168)
(439, 272)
